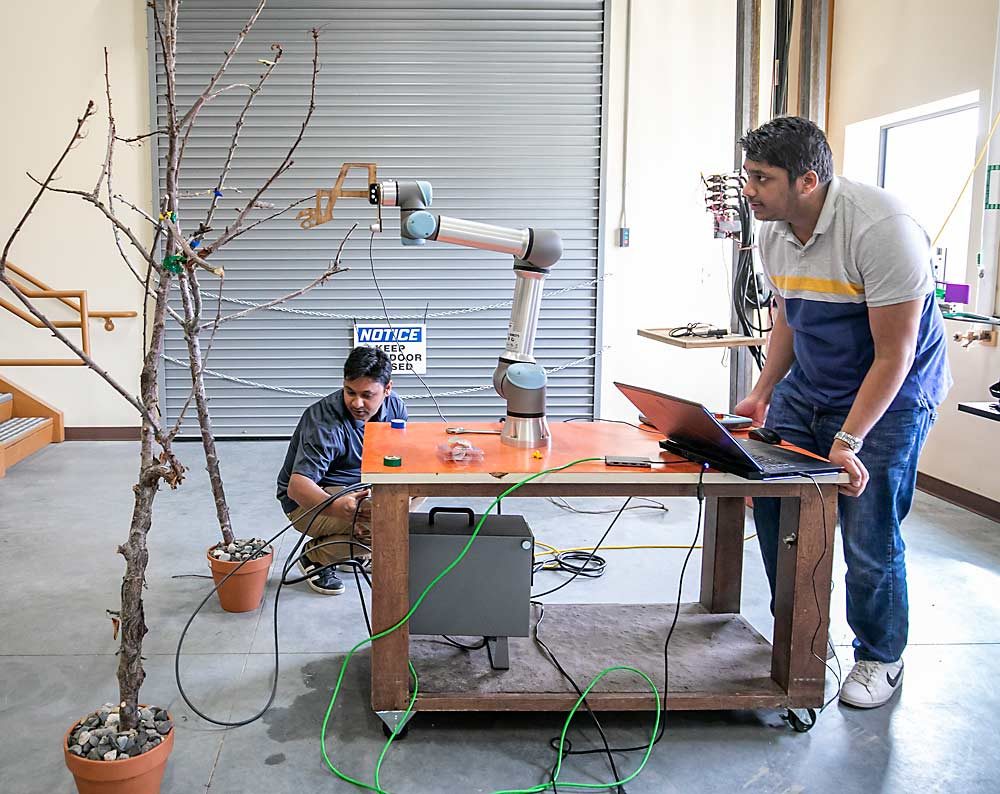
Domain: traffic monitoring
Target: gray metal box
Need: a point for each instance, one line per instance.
(488, 593)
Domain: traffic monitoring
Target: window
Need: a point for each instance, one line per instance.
(925, 161)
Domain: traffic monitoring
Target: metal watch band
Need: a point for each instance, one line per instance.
(853, 442)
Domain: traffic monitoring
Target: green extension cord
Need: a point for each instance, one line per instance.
(377, 787)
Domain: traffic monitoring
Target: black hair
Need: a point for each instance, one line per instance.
(793, 143)
(368, 362)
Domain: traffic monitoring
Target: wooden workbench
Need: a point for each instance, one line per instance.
(718, 661)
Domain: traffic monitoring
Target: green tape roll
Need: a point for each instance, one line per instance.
(392, 460)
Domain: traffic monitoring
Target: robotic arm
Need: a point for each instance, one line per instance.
(517, 378)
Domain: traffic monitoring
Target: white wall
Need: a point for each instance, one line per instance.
(888, 57)
(53, 64)
(681, 122)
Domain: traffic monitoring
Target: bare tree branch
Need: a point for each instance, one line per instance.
(143, 136)
(189, 118)
(89, 198)
(231, 231)
(189, 252)
(204, 362)
(124, 200)
(169, 68)
(107, 170)
(216, 194)
(227, 88)
(106, 166)
(87, 113)
(332, 270)
(192, 113)
(272, 216)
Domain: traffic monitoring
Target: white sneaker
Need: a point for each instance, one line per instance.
(871, 684)
(347, 567)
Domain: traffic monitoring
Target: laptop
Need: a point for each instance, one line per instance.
(693, 432)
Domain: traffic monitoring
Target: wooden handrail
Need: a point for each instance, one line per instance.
(41, 285)
(40, 289)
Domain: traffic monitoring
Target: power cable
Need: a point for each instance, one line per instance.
(560, 502)
(658, 734)
(615, 421)
(792, 720)
(371, 260)
(315, 511)
(580, 569)
(597, 724)
(402, 621)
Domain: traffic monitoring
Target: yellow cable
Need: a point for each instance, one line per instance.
(552, 550)
(972, 173)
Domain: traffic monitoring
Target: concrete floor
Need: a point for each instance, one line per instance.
(63, 511)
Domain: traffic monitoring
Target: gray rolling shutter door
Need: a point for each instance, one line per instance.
(497, 104)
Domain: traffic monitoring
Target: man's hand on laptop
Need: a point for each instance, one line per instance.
(851, 463)
(755, 406)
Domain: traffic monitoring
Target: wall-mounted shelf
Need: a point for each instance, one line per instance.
(697, 342)
(986, 410)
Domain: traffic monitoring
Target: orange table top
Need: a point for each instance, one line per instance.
(417, 446)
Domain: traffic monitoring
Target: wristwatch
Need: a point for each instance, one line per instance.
(853, 443)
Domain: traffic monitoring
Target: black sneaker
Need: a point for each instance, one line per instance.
(327, 583)
(306, 565)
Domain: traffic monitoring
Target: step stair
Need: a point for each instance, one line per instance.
(21, 436)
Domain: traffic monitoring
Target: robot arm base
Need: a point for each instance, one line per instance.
(523, 386)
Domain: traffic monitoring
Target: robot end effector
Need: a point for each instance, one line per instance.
(517, 378)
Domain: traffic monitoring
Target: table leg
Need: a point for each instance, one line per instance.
(802, 593)
(722, 554)
(390, 596)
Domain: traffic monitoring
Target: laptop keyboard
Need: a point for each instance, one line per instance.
(771, 461)
(773, 458)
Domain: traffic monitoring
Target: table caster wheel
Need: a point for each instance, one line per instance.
(387, 732)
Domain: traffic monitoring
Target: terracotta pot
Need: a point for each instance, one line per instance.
(140, 775)
(244, 590)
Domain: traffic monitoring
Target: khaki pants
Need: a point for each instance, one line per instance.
(326, 528)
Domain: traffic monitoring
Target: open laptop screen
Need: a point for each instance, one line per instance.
(688, 424)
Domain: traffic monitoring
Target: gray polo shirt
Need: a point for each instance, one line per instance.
(866, 250)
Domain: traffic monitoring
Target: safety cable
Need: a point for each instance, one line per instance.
(402, 621)
(316, 510)
(561, 747)
(580, 569)
(371, 260)
(812, 642)
(597, 724)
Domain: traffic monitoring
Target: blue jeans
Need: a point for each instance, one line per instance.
(877, 607)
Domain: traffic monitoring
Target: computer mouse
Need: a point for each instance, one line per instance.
(765, 434)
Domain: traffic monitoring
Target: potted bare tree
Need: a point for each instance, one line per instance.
(123, 747)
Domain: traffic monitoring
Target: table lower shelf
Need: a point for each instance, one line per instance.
(717, 661)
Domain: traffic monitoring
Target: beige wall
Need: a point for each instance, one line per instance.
(53, 64)
(674, 272)
(681, 112)
(890, 56)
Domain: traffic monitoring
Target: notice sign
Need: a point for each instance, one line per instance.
(406, 345)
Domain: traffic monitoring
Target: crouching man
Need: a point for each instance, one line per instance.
(324, 455)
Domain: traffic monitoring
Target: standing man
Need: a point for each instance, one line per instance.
(324, 455)
(855, 370)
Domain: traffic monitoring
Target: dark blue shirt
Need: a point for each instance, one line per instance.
(327, 444)
(865, 252)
